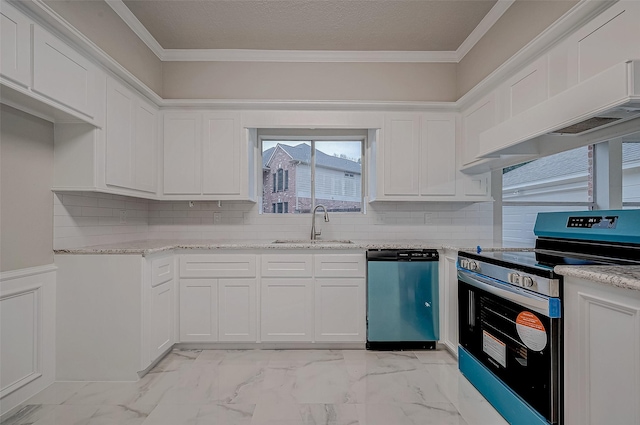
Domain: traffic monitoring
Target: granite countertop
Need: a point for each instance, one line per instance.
(627, 277)
(150, 247)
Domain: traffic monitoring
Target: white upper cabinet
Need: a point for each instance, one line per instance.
(221, 154)
(401, 154)
(438, 154)
(206, 155)
(416, 160)
(15, 46)
(145, 150)
(525, 89)
(479, 117)
(611, 38)
(182, 153)
(131, 141)
(62, 74)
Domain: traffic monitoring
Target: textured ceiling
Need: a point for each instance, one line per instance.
(418, 25)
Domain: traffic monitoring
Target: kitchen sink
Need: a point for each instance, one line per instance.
(309, 241)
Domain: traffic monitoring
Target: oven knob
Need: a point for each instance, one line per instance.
(473, 265)
(527, 282)
(464, 263)
(515, 279)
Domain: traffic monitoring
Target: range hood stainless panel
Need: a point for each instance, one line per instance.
(605, 100)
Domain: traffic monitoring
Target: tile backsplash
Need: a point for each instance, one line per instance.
(83, 219)
(88, 218)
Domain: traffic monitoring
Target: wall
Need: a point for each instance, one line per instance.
(520, 24)
(96, 20)
(26, 176)
(87, 218)
(448, 223)
(310, 81)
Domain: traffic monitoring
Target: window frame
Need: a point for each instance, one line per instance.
(306, 135)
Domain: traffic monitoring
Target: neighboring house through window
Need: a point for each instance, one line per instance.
(299, 174)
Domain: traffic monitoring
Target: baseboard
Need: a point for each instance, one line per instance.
(270, 345)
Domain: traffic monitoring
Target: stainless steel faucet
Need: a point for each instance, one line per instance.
(314, 234)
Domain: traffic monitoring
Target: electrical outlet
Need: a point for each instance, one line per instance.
(123, 216)
(217, 217)
(428, 217)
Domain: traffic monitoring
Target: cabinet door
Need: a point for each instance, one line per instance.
(477, 185)
(221, 166)
(340, 311)
(198, 310)
(15, 46)
(602, 348)
(609, 39)
(162, 318)
(449, 301)
(287, 309)
(438, 155)
(182, 153)
(480, 117)
(62, 74)
(145, 147)
(237, 303)
(401, 154)
(119, 135)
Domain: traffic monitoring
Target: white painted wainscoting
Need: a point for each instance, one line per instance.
(27, 334)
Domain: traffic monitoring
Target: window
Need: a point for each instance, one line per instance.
(631, 174)
(560, 182)
(305, 172)
(280, 208)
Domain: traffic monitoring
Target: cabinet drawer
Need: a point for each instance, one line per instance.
(339, 265)
(295, 265)
(217, 265)
(161, 271)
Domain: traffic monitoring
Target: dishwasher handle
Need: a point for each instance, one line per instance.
(402, 255)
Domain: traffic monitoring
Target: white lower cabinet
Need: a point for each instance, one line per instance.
(218, 298)
(115, 315)
(238, 305)
(162, 318)
(198, 310)
(602, 352)
(449, 300)
(287, 309)
(340, 309)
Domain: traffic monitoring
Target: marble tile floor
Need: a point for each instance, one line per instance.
(272, 387)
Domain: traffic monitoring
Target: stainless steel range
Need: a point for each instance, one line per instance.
(510, 309)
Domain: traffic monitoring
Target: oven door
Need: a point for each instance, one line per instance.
(510, 331)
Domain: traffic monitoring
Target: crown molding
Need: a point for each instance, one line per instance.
(245, 55)
(481, 29)
(249, 55)
(136, 26)
(308, 105)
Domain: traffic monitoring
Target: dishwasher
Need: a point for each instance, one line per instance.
(402, 299)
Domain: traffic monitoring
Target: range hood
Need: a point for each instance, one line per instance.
(603, 101)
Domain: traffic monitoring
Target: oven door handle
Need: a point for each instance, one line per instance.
(538, 303)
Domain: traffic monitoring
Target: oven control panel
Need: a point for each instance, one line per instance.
(593, 222)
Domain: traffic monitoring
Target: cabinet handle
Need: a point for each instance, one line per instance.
(426, 304)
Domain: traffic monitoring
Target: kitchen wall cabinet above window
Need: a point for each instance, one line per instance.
(207, 155)
(414, 157)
